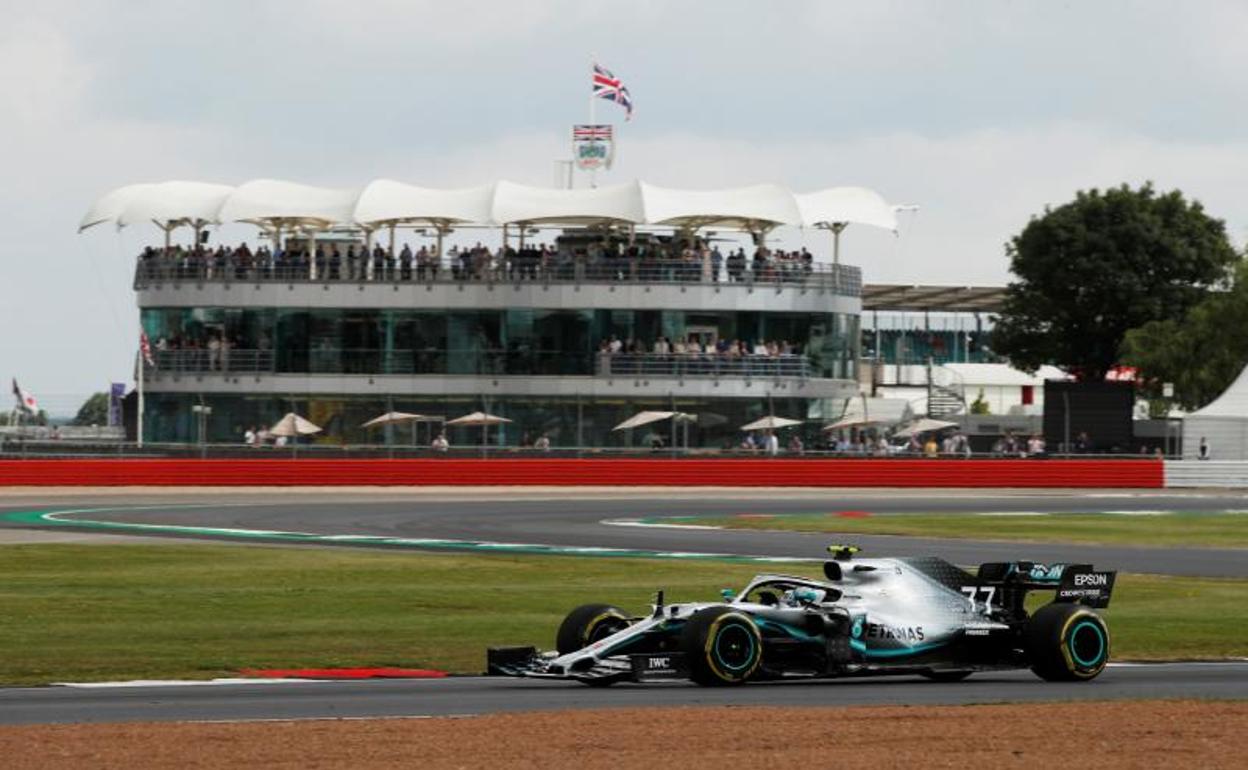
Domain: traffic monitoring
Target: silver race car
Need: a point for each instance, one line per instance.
(866, 617)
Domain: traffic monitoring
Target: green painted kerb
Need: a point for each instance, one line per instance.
(71, 519)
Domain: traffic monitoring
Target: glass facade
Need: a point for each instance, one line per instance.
(520, 341)
(566, 421)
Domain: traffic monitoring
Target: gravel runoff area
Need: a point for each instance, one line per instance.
(1139, 734)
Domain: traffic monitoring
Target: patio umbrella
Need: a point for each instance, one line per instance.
(478, 418)
(396, 418)
(293, 425)
(482, 419)
(645, 418)
(924, 425)
(771, 422)
(854, 421)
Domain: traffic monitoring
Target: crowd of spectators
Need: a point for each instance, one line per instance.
(651, 261)
(694, 356)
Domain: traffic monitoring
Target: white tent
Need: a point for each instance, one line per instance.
(193, 203)
(1223, 423)
(110, 206)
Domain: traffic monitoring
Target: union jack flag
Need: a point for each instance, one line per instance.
(609, 87)
(145, 347)
(597, 132)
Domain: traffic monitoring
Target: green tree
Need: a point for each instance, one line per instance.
(1105, 263)
(94, 411)
(1200, 352)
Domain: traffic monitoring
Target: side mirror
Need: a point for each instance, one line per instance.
(727, 594)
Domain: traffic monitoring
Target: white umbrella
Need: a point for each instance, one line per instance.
(478, 418)
(393, 417)
(924, 425)
(645, 418)
(853, 421)
(771, 422)
(293, 425)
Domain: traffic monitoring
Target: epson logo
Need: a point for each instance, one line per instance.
(659, 662)
(1091, 580)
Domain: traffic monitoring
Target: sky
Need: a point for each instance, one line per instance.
(981, 113)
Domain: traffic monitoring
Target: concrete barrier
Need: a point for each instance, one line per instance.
(720, 472)
(1208, 473)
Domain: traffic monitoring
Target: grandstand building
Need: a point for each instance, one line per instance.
(587, 307)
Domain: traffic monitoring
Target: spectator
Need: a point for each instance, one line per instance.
(542, 444)
(1205, 452)
(930, 448)
(440, 444)
(771, 443)
(795, 445)
(249, 436)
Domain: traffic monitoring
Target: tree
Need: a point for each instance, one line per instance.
(1201, 353)
(1105, 263)
(94, 411)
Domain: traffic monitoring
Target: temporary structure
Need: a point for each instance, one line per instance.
(771, 422)
(397, 418)
(1223, 423)
(864, 411)
(924, 425)
(293, 425)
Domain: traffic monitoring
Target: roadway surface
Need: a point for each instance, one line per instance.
(477, 695)
(577, 519)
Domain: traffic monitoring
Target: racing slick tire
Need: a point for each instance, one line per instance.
(587, 624)
(1067, 643)
(945, 676)
(722, 646)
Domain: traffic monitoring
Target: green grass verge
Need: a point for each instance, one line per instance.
(96, 612)
(1222, 530)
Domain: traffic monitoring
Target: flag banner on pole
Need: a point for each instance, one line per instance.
(593, 146)
(608, 86)
(116, 392)
(25, 401)
(145, 347)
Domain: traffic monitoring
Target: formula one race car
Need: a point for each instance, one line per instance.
(868, 617)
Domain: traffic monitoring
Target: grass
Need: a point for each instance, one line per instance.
(1222, 530)
(96, 612)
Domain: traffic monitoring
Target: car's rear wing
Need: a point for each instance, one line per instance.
(1075, 583)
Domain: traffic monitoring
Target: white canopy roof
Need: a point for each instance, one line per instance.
(194, 202)
(384, 201)
(270, 201)
(760, 206)
(847, 205)
(616, 203)
(110, 207)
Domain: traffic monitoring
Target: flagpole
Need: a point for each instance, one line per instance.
(139, 419)
(593, 171)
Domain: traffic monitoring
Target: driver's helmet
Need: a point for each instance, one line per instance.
(796, 597)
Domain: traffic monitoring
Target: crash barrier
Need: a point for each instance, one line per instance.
(1206, 473)
(724, 472)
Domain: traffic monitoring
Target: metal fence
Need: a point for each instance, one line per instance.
(840, 279)
(702, 365)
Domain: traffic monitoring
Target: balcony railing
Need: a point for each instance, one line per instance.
(702, 365)
(840, 279)
(376, 361)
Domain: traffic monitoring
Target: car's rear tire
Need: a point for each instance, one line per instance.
(587, 624)
(946, 676)
(722, 646)
(1067, 643)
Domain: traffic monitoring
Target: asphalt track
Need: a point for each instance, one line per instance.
(477, 695)
(576, 519)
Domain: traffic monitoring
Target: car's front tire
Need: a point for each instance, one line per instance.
(587, 624)
(722, 646)
(1067, 643)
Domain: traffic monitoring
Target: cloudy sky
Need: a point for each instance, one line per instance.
(980, 112)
